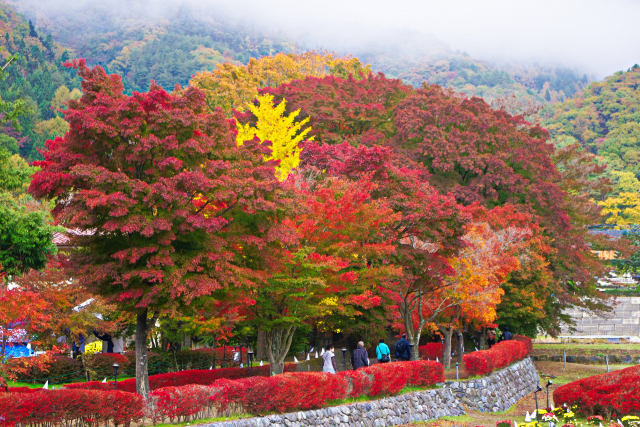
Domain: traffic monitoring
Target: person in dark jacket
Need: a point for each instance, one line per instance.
(507, 335)
(403, 349)
(359, 357)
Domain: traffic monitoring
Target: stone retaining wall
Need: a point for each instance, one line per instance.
(496, 392)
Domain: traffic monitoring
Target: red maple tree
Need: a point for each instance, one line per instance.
(166, 198)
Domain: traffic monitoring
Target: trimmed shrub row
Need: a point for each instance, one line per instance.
(615, 393)
(503, 354)
(255, 395)
(293, 391)
(71, 407)
(175, 379)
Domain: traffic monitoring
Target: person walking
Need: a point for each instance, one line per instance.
(507, 335)
(359, 357)
(403, 349)
(382, 352)
(491, 338)
(329, 361)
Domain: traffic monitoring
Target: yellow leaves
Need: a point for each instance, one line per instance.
(623, 210)
(232, 86)
(329, 301)
(285, 134)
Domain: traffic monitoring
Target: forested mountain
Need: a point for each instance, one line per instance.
(604, 118)
(37, 77)
(167, 50)
(522, 86)
(172, 50)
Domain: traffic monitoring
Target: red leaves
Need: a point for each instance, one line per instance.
(150, 175)
(70, 406)
(503, 354)
(614, 393)
(431, 351)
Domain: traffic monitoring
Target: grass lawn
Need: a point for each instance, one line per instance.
(31, 385)
(585, 346)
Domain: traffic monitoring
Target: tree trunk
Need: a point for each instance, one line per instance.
(142, 365)
(261, 345)
(483, 339)
(446, 353)
(278, 343)
(460, 350)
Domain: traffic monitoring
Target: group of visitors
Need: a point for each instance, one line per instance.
(492, 336)
(360, 357)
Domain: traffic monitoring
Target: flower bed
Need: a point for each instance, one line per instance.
(431, 351)
(70, 407)
(503, 354)
(615, 392)
(174, 379)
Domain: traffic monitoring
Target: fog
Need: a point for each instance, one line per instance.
(598, 37)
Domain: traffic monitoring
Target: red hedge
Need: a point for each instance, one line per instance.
(175, 402)
(431, 350)
(359, 382)
(69, 406)
(528, 341)
(293, 391)
(175, 379)
(503, 354)
(615, 392)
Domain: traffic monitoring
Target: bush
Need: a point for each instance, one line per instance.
(181, 402)
(203, 358)
(175, 379)
(504, 353)
(31, 369)
(431, 351)
(71, 406)
(528, 342)
(615, 393)
(291, 391)
(388, 378)
(281, 393)
(424, 372)
(359, 384)
(100, 365)
(156, 363)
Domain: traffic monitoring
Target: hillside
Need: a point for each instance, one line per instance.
(171, 50)
(167, 50)
(522, 87)
(604, 118)
(37, 77)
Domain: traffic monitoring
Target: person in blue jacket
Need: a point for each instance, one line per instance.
(403, 349)
(382, 352)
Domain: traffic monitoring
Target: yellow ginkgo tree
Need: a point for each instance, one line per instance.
(622, 210)
(273, 124)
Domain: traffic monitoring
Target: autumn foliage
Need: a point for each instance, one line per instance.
(611, 394)
(70, 406)
(503, 354)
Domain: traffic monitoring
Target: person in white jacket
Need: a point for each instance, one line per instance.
(329, 360)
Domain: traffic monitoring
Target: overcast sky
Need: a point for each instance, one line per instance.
(599, 37)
